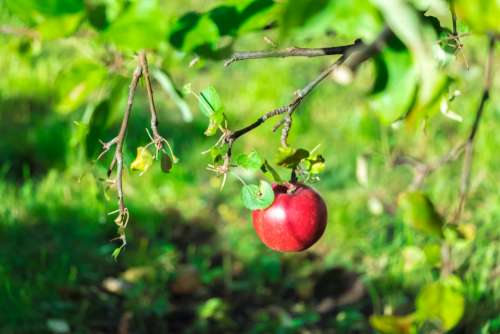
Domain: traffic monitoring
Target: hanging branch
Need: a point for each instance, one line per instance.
(157, 140)
(289, 52)
(351, 57)
(469, 144)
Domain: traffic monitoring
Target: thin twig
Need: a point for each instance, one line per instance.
(289, 52)
(152, 107)
(469, 145)
(121, 138)
(453, 19)
(357, 50)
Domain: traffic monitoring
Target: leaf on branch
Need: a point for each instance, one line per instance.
(441, 301)
(481, 15)
(289, 157)
(209, 101)
(251, 161)
(165, 162)
(143, 160)
(215, 121)
(270, 172)
(419, 35)
(314, 164)
(216, 154)
(395, 85)
(256, 197)
(392, 324)
(419, 212)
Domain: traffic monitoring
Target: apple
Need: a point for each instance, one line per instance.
(295, 220)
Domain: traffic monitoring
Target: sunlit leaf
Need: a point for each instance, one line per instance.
(215, 121)
(289, 157)
(441, 301)
(257, 197)
(59, 26)
(251, 160)
(213, 308)
(315, 164)
(392, 324)
(420, 37)
(78, 84)
(296, 13)
(257, 14)
(419, 212)
(433, 254)
(209, 101)
(142, 26)
(192, 31)
(143, 160)
(480, 15)
(413, 257)
(395, 85)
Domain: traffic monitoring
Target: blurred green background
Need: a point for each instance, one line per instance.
(193, 262)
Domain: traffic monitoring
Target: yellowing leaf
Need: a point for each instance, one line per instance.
(419, 212)
(467, 231)
(392, 324)
(441, 301)
(143, 160)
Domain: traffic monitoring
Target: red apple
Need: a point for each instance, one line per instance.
(295, 220)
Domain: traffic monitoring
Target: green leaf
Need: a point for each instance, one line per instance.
(59, 26)
(142, 26)
(116, 252)
(257, 14)
(33, 9)
(354, 19)
(168, 86)
(78, 84)
(297, 13)
(481, 15)
(392, 324)
(413, 258)
(216, 120)
(193, 31)
(251, 160)
(270, 172)
(216, 154)
(143, 160)
(395, 86)
(419, 35)
(315, 164)
(209, 101)
(441, 301)
(419, 212)
(289, 157)
(257, 197)
(433, 254)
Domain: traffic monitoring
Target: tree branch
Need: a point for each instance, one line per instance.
(289, 52)
(152, 107)
(118, 157)
(469, 145)
(352, 55)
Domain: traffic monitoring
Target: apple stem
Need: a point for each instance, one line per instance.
(293, 176)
